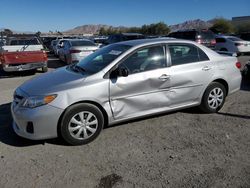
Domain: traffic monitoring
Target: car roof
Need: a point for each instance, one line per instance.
(139, 42)
(76, 40)
(226, 36)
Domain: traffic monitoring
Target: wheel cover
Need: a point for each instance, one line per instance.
(83, 125)
(215, 98)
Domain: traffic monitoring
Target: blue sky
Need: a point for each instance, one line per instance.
(45, 15)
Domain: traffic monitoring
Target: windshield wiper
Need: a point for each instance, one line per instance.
(80, 69)
(76, 68)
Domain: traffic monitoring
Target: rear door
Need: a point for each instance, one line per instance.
(145, 89)
(190, 71)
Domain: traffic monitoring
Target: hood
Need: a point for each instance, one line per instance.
(52, 82)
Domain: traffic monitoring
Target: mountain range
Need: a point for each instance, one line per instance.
(94, 29)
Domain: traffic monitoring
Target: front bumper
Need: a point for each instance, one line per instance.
(44, 120)
(23, 67)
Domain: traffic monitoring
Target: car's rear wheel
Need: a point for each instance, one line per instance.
(213, 98)
(81, 124)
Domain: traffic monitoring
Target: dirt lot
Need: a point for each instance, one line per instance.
(180, 149)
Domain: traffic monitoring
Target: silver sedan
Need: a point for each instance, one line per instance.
(123, 81)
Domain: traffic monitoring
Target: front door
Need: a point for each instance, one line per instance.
(145, 89)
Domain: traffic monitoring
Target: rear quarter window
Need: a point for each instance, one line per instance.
(186, 53)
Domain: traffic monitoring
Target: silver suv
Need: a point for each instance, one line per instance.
(123, 81)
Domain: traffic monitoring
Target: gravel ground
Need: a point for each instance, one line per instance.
(180, 149)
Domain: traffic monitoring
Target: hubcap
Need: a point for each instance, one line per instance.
(83, 125)
(215, 98)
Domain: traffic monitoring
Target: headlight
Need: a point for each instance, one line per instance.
(32, 102)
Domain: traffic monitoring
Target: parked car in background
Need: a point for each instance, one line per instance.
(21, 54)
(231, 44)
(47, 42)
(123, 37)
(74, 50)
(204, 37)
(123, 81)
(56, 46)
(52, 46)
(99, 41)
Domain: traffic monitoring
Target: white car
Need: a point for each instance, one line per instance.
(74, 50)
(232, 44)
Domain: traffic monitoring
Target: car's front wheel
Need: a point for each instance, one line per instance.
(213, 98)
(81, 124)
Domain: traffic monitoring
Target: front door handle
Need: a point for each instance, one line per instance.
(206, 68)
(164, 77)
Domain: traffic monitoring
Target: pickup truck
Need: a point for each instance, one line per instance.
(20, 54)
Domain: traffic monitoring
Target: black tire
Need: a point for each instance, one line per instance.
(204, 106)
(72, 112)
(45, 69)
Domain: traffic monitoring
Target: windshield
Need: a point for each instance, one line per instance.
(82, 43)
(234, 39)
(102, 57)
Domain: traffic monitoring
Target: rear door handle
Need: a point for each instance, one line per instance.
(206, 68)
(164, 77)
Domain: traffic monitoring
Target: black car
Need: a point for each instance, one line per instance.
(205, 37)
(123, 37)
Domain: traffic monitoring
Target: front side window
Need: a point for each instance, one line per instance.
(145, 59)
(183, 54)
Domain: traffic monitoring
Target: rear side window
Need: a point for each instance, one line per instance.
(185, 53)
(220, 40)
(202, 55)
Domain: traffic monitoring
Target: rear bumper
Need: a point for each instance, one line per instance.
(23, 67)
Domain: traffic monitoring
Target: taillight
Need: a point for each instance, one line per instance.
(238, 44)
(199, 41)
(238, 65)
(74, 51)
(44, 54)
(213, 42)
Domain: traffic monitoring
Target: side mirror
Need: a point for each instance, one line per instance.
(123, 71)
(120, 71)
